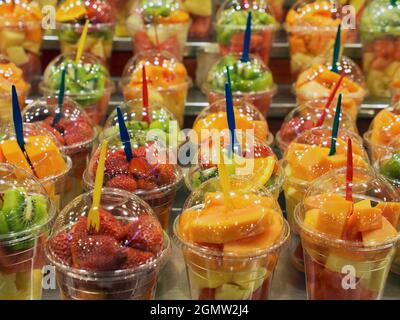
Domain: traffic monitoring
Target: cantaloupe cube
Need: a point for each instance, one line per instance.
(391, 211)
(185, 220)
(14, 155)
(368, 219)
(311, 219)
(379, 235)
(316, 202)
(333, 217)
(363, 204)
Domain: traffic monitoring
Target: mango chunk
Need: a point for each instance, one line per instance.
(379, 235)
(368, 219)
(316, 202)
(363, 204)
(311, 218)
(213, 199)
(14, 155)
(333, 217)
(391, 211)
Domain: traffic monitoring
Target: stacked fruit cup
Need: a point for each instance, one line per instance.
(71, 16)
(120, 260)
(307, 158)
(317, 82)
(167, 79)
(87, 82)
(251, 81)
(201, 15)
(381, 45)
(10, 75)
(159, 25)
(348, 241)
(231, 246)
(231, 26)
(26, 215)
(74, 131)
(21, 35)
(311, 27)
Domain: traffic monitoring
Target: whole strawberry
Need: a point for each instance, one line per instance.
(136, 258)
(122, 182)
(60, 245)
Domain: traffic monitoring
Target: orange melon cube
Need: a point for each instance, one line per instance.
(311, 218)
(391, 211)
(317, 201)
(386, 232)
(14, 155)
(368, 219)
(363, 204)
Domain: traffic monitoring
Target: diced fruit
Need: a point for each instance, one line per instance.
(311, 219)
(13, 154)
(251, 280)
(368, 219)
(232, 292)
(17, 55)
(363, 204)
(316, 202)
(381, 235)
(208, 279)
(391, 211)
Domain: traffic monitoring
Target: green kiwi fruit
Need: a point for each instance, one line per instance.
(3, 224)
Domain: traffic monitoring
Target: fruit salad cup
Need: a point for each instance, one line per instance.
(10, 75)
(231, 26)
(75, 133)
(149, 174)
(251, 81)
(348, 244)
(48, 163)
(167, 79)
(21, 35)
(26, 215)
(256, 161)
(86, 82)
(277, 9)
(380, 36)
(121, 260)
(306, 159)
(305, 117)
(121, 10)
(311, 26)
(247, 117)
(159, 25)
(383, 136)
(71, 16)
(318, 81)
(231, 250)
(201, 15)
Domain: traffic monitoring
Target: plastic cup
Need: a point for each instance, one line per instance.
(91, 90)
(113, 276)
(311, 26)
(347, 267)
(201, 17)
(226, 266)
(304, 161)
(206, 57)
(75, 133)
(121, 10)
(22, 252)
(161, 25)
(231, 26)
(149, 175)
(56, 183)
(318, 81)
(305, 117)
(21, 35)
(380, 42)
(251, 81)
(168, 81)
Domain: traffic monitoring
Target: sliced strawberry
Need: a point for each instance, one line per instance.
(122, 182)
(139, 167)
(166, 174)
(54, 131)
(136, 258)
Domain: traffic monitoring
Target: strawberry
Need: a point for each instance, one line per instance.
(77, 131)
(166, 174)
(145, 234)
(99, 11)
(146, 184)
(116, 163)
(136, 258)
(60, 126)
(122, 182)
(294, 127)
(60, 246)
(139, 167)
(54, 131)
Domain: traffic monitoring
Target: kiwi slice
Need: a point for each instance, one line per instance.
(39, 208)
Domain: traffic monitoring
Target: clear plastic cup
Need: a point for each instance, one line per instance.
(318, 81)
(305, 160)
(167, 79)
(277, 9)
(120, 261)
(159, 25)
(305, 117)
(201, 15)
(311, 26)
(50, 165)
(251, 81)
(121, 10)
(10, 75)
(21, 35)
(71, 17)
(150, 174)
(247, 117)
(206, 57)
(347, 257)
(22, 241)
(75, 132)
(231, 26)
(230, 252)
(87, 82)
(381, 45)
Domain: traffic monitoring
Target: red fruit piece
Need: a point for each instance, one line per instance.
(99, 11)
(295, 127)
(122, 182)
(136, 258)
(54, 131)
(166, 174)
(60, 246)
(139, 167)
(77, 131)
(146, 184)
(141, 152)
(145, 234)
(207, 294)
(97, 253)
(116, 163)
(60, 126)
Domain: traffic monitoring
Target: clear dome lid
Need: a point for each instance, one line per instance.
(74, 129)
(163, 72)
(246, 77)
(42, 148)
(10, 75)
(247, 117)
(25, 204)
(78, 11)
(20, 13)
(326, 214)
(380, 18)
(85, 81)
(129, 239)
(307, 156)
(135, 115)
(384, 129)
(306, 116)
(389, 164)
